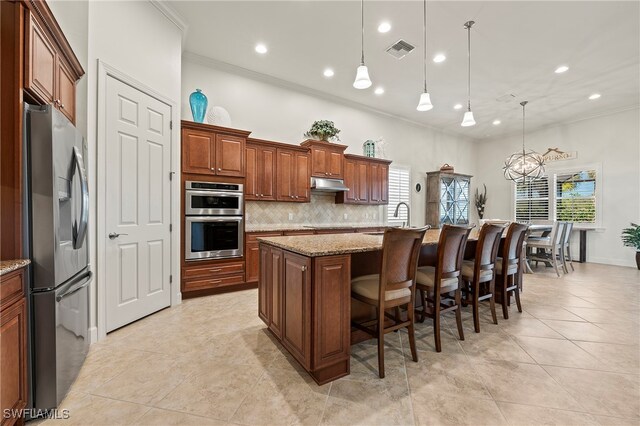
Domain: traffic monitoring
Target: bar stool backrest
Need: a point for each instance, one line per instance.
(488, 244)
(451, 245)
(400, 251)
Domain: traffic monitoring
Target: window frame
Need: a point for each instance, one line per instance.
(551, 171)
(389, 208)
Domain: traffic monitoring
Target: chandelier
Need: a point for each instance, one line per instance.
(524, 165)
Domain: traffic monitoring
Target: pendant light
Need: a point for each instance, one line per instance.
(468, 116)
(524, 165)
(362, 80)
(425, 99)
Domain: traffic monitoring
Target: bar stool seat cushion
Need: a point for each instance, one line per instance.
(369, 286)
(510, 271)
(467, 271)
(426, 277)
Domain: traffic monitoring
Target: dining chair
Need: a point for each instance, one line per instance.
(509, 266)
(551, 246)
(566, 247)
(481, 271)
(393, 287)
(435, 283)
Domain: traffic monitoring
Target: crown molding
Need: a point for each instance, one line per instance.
(172, 15)
(265, 78)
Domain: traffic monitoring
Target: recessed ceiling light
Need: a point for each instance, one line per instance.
(384, 27)
(496, 122)
(379, 91)
(328, 72)
(457, 106)
(561, 69)
(439, 58)
(261, 48)
(594, 96)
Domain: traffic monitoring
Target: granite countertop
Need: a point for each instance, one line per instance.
(298, 227)
(7, 266)
(332, 244)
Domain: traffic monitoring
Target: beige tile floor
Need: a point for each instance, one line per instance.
(572, 357)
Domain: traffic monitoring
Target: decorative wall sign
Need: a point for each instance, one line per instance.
(554, 154)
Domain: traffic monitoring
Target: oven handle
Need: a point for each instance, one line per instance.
(214, 218)
(213, 193)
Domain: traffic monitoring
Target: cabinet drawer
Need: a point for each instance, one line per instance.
(11, 287)
(213, 270)
(208, 283)
(253, 236)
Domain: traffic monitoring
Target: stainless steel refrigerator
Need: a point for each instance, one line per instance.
(57, 210)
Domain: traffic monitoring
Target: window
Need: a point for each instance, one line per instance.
(532, 200)
(399, 190)
(566, 195)
(575, 196)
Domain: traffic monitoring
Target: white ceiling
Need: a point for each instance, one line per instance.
(516, 46)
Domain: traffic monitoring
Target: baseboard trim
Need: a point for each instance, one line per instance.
(93, 335)
(615, 262)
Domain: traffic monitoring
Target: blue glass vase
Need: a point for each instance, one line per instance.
(198, 102)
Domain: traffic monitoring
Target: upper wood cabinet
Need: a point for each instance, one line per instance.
(327, 159)
(260, 182)
(51, 68)
(213, 150)
(367, 179)
(293, 175)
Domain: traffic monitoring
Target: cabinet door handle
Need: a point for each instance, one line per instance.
(216, 270)
(213, 168)
(216, 281)
(297, 197)
(61, 106)
(304, 268)
(219, 169)
(257, 195)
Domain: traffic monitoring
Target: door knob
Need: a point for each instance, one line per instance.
(113, 235)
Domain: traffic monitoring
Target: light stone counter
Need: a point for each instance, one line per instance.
(332, 244)
(7, 266)
(298, 227)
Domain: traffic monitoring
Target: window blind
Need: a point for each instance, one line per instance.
(399, 190)
(575, 196)
(532, 200)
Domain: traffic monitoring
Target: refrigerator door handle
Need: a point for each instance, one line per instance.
(69, 293)
(81, 230)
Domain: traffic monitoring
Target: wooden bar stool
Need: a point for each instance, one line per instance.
(481, 271)
(508, 266)
(393, 287)
(445, 277)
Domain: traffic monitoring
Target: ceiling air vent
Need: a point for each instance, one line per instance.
(400, 49)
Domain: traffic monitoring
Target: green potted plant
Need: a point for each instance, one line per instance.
(323, 130)
(631, 238)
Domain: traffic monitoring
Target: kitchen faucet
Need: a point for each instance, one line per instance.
(408, 213)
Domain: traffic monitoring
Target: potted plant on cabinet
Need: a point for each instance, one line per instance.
(323, 130)
(631, 238)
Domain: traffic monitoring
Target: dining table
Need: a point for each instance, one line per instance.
(547, 228)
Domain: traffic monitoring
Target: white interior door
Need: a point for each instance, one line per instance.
(137, 209)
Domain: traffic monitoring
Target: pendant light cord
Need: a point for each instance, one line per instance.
(523, 121)
(424, 27)
(469, 65)
(362, 28)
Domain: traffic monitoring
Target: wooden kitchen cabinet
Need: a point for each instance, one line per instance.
(270, 289)
(296, 306)
(13, 350)
(367, 180)
(51, 69)
(252, 253)
(213, 150)
(327, 159)
(293, 175)
(260, 182)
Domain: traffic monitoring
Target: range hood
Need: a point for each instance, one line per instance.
(327, 185)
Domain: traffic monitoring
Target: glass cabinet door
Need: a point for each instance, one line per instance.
(454, 200)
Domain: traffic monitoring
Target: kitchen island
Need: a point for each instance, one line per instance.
(304, 293)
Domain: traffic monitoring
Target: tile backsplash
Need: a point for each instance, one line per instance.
(321, 210)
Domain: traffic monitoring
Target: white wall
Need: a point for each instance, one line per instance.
(138, 40)
(283, 114)
(613, 141)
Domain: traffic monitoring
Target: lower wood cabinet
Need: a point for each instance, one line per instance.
(13, 344)
(296, 304)
(212, 275)
(252, 253)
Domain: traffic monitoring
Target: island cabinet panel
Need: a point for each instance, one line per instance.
(296, 306)
(327, 159)
(332, 311)
(276, 278)
(213, 150)
(264, 285)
